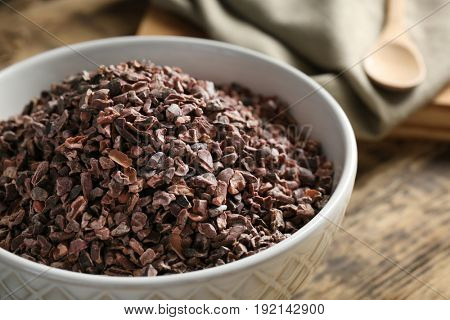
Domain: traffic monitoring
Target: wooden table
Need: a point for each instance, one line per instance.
(396, 244)
(396, 240)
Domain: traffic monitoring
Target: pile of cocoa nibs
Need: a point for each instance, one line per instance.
(142, 170)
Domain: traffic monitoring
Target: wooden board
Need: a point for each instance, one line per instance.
(401, 204)
(431, 122)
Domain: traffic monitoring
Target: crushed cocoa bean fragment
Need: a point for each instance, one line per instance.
(120, 158)
(143, 170)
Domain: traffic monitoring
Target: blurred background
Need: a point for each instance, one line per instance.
(396, 239)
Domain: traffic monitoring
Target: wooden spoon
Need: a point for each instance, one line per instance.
(395, 63)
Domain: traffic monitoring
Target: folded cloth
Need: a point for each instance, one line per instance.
(327, 39)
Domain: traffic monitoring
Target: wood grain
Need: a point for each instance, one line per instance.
(431, 122)
(63, 22)
(400, 210)
(401, 205)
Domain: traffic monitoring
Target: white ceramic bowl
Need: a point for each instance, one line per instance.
(276, 273)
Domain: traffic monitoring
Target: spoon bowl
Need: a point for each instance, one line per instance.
(396, 62)
(396, 66)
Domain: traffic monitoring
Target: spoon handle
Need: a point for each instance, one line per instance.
(395, 16)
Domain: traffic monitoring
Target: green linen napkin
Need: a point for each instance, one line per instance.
(325, 38)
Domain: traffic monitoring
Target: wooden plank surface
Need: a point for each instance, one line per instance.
(396, 240)
(399, 214)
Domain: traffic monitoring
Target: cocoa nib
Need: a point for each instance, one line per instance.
(142, 170)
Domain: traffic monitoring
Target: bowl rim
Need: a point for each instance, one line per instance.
(341, 192)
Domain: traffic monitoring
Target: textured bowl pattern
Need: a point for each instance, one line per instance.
(278, 278)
